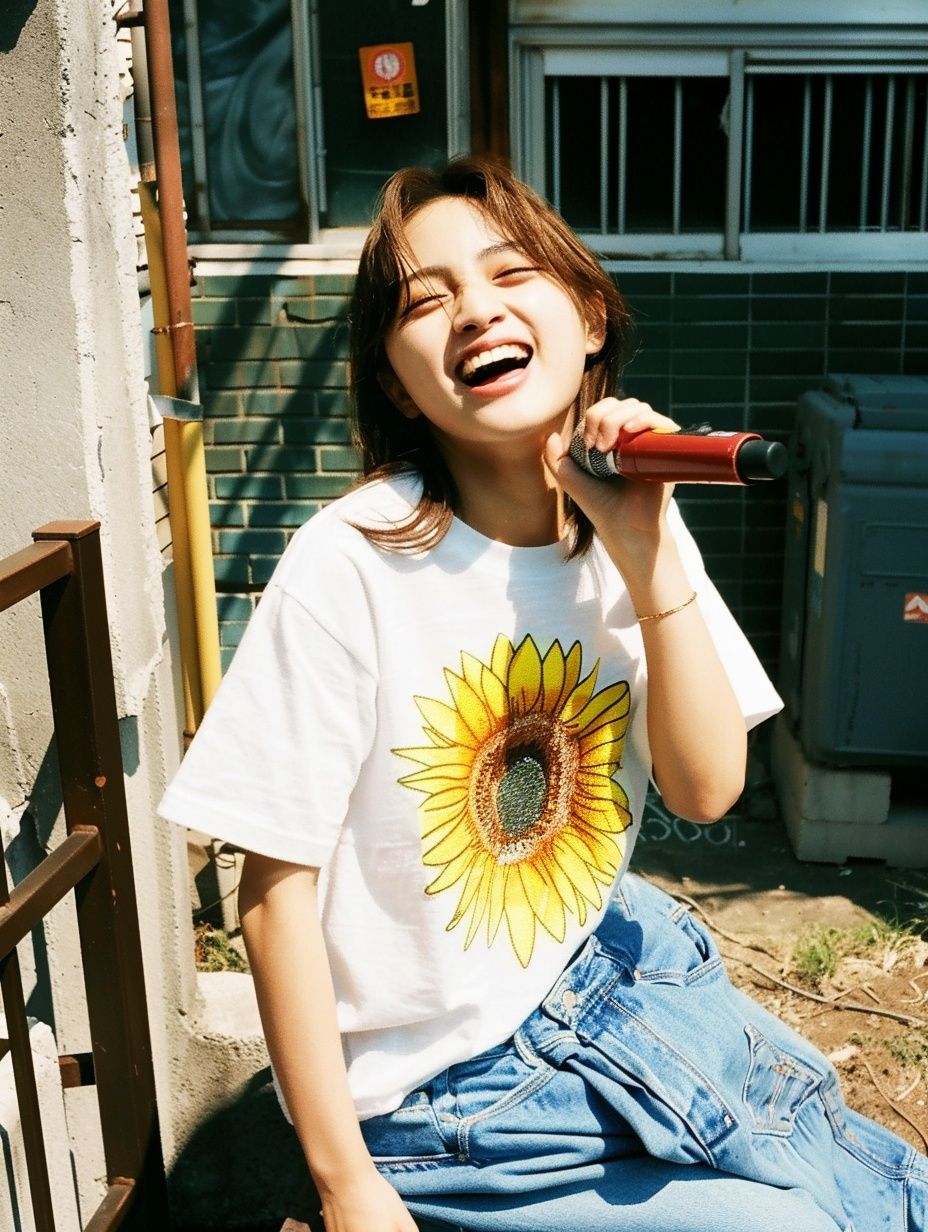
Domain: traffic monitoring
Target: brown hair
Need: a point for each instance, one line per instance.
(389, 442)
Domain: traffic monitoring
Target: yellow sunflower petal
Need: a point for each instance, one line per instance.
(431, 818)
(524, 681)
(435, 778)
(573, 858)
(607, 851)
(520, 919)
(545, 900)
(562, 884)
(552, 678)
(443, 799)
(501, 657)
(496, 899)
(494, 694)
(572, 663)
(580, 696)
(603, 747)
(608, 706)
(436, 830)
(428, 755)
(480, 901)
(450, 845)
(607, 818)
(471, 885)
(452, 872)
(446, 721)
(469, 706)
(471, 669)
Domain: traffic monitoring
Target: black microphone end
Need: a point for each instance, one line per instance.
(758, 460)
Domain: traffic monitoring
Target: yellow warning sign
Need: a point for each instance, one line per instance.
(389, 75)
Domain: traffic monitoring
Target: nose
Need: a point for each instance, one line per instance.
(476, 306)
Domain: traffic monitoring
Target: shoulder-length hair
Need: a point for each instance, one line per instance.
(390, 443)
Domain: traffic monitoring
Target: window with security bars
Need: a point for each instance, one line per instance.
(729, 156)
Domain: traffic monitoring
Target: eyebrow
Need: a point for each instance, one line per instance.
(443, 271)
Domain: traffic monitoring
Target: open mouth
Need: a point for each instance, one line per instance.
(493, 363)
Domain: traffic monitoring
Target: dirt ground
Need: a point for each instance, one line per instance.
(838, 952)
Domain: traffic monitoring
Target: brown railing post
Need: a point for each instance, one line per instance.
(90, 759)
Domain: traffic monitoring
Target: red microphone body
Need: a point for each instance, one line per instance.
(694, 455)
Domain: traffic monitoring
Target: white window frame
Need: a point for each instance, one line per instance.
(660, 37)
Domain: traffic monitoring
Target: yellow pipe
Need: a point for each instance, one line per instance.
(200, 541)
(174, 455)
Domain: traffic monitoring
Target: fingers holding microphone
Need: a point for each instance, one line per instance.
(639, 505)
(605, 421)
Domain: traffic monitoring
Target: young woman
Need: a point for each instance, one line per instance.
(434, 744)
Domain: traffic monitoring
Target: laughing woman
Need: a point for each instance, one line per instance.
(434, 744)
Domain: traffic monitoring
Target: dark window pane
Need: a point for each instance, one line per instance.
(705, 154)
(649, 154)
(361, 153)
(246, 56)
(847, 151)
(776, 152)
(579, 137)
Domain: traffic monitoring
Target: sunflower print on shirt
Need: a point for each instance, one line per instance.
(521, 813)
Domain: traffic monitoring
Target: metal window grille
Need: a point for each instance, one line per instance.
(765, 159)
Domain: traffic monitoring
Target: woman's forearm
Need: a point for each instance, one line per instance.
(695, 727)
(283, 937)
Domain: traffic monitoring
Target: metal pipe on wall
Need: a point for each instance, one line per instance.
(166, 239)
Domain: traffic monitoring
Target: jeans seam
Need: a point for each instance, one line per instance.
(729, 1119)
(526, 1088)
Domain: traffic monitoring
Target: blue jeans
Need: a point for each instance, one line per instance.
(646, 1093)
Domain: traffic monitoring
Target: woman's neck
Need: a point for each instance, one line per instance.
(515, 503)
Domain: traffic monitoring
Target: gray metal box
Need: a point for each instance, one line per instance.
(854, 656)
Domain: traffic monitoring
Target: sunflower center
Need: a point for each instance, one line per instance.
(521, 786)
(520, 796)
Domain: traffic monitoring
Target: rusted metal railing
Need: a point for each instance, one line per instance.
(94, 861)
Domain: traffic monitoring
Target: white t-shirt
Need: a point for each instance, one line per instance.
(457, 738)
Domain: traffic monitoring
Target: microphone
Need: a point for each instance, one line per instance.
(694, 455)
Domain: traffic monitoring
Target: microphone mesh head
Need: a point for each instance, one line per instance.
(593, 461)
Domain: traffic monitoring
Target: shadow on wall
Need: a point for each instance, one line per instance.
(13, 20)
(243, 1171)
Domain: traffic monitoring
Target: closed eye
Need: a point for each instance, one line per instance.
(420, 302)
(517, 269)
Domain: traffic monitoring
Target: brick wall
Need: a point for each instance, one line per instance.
(734, 349)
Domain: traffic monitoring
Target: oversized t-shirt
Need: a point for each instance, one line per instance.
(457, 738)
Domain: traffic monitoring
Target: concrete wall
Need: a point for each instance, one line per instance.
(75, 443)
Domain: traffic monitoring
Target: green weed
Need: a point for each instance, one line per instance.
(213, 951)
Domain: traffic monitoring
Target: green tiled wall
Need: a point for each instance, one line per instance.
(735, 349)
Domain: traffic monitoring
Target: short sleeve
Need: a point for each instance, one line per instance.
(756, 695)
(273, 764)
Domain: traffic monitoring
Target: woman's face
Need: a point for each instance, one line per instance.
(490, 349)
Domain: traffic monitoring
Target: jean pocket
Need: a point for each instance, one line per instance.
(676, 949)
(776, 1086)
(407, 1138)
(490, 1083)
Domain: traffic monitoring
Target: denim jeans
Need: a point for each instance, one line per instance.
(646, 1092)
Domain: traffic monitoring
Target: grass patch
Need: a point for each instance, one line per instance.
(815, 955)
(819, 951)
(213, 951)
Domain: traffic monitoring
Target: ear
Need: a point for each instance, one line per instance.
(595, 313)
(389, 382)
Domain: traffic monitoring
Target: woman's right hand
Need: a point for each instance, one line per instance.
(365, 1205)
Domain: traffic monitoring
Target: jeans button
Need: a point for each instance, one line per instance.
(568, 998)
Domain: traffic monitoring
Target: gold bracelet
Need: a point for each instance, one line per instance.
(670, 611)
